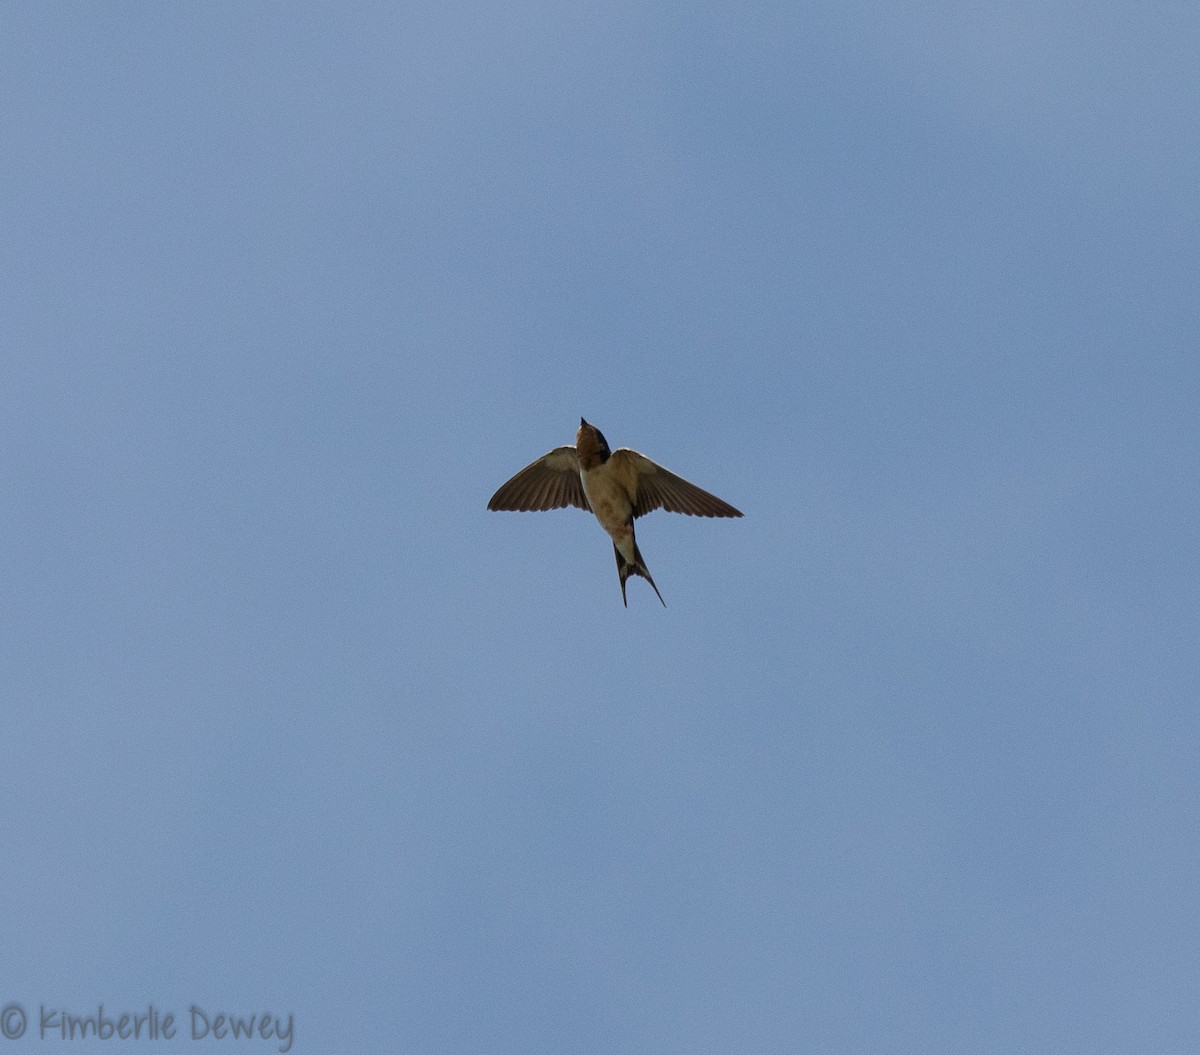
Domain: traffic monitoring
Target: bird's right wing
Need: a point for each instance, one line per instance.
(551, 482)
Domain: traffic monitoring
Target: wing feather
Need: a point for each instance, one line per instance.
(552, 482)
(659, 488)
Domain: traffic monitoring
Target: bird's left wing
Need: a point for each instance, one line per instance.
(551, 482)
(659, 488)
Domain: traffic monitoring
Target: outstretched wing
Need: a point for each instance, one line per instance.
(551, 482)
(659, 488)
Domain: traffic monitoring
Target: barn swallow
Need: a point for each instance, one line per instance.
(617, 486)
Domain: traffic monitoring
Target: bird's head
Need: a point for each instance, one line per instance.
(591, 445)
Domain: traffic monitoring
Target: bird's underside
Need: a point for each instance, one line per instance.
(616, 487)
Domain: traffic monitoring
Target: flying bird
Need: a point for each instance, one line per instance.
(617, 486)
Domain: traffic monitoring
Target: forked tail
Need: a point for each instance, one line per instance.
(636, 567)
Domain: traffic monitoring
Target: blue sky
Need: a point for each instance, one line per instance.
(293, 724)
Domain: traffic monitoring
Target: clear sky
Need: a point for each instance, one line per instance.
(291, 723)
